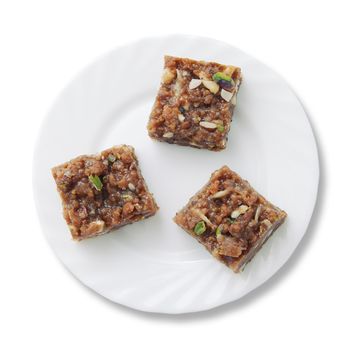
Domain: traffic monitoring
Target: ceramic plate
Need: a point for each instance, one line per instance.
(153, 265)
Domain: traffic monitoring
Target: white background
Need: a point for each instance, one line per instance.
(43, 44)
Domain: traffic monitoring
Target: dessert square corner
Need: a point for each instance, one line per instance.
(230, 218)
(195, 103)
(103, 192)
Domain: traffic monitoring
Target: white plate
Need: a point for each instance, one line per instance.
(154, 265)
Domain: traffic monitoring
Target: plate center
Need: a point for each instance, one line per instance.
(173, 173)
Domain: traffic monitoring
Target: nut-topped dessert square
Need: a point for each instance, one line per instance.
(195, 103)
(230, 218)
(103, 192)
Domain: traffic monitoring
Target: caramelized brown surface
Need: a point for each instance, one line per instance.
(123, 198)
(178, 110)
(237, 219)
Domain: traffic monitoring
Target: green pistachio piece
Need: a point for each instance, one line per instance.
(96, 182)
(221, 128)
(112, 158)
(199, 228)
(218, 231)
(221, 76)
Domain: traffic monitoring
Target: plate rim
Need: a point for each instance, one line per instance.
(77, 76)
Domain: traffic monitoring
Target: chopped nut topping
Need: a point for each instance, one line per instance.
(168, 76)
(112, 158)
(194, 83)
(96, 182)
(194, 92)
(235, 214)
(234, 99)
(224, 81)
(226, 95)
(101, 184)
(221, 128)
(131, 187)
(178, 84)
(199, 228)
(267, 223)
(181, 117)
(221, 76)
(221, 194)
(68, 173)
(218, 231)
(208, 125)
(234, 241)
(258, 212)
(203, 217)
(212, 86)
(239, 211)
(168, 135)
(95, 227)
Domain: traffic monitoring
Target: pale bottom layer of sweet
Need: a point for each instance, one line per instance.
(134, 219)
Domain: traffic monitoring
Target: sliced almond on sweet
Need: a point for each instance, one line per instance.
(234, 99)
(194, 83)
(178, 84)
(203, 217)
(168, 135)
(239, 211)
(267, 223)
(235, 214)
(212, 86)
(258, 212)
(221, 194)
(226, 95)
(208, 125)
(243, 208)
(131, 187)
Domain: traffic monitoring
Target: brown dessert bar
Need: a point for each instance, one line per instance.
(103, 192)
(230, 218)
(195, 103)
